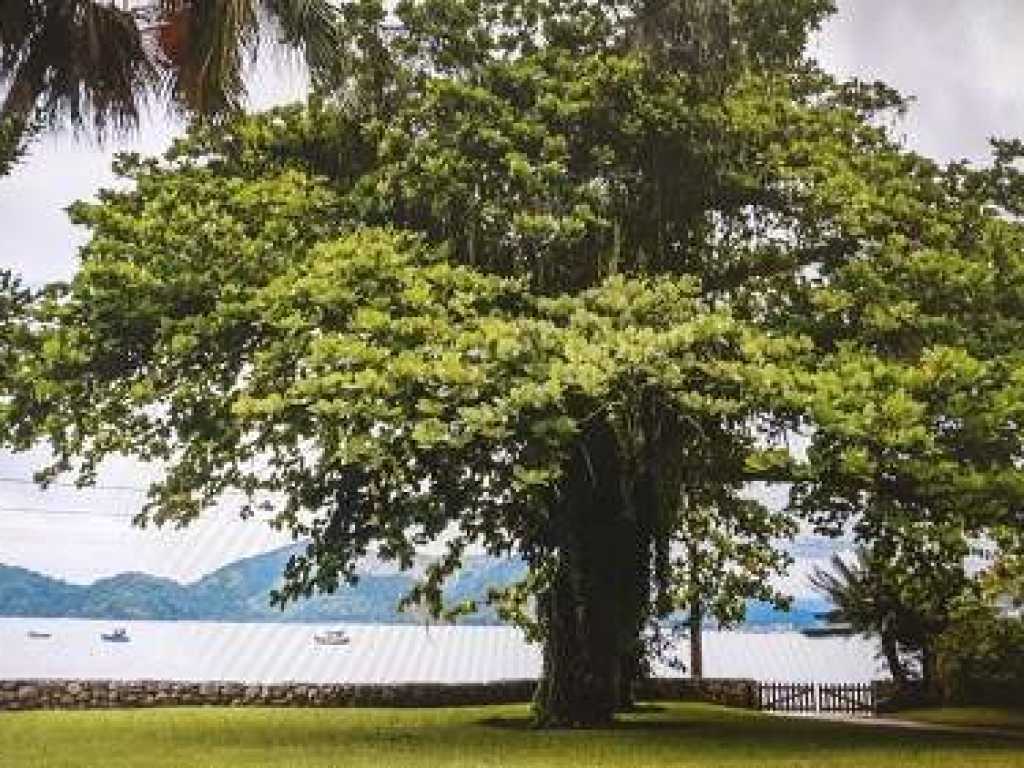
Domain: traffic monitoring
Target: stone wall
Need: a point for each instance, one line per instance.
(732, 692)
(101, 694)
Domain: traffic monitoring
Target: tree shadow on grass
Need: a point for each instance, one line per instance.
(525, 725)
(508, 723)
(631, 722)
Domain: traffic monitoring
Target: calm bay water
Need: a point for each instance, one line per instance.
(266, 653)
(262, 652)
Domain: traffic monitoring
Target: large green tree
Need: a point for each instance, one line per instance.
(531, 275)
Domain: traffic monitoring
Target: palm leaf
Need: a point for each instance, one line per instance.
(79, 61)
(216, 36)
(87, 62)
(313, 26)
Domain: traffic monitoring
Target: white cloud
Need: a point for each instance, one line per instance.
(961, 60)
(83, 548)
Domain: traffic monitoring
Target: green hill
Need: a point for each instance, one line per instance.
(26, 593)
(239, 591)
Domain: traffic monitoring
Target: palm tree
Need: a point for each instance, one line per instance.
(204, 43)
(79, 61)
(863, 598)
(94, 63)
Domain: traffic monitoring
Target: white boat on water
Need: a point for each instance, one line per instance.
(332, 637)
(37, 635)
(119, 635)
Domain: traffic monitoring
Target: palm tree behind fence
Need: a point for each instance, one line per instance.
(864, 602)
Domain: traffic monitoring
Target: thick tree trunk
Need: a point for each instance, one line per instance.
(636, 568)
(580, 683)
(632, 669)
(587, 610)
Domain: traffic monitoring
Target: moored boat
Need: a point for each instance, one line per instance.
(332, 637)
(119, 635)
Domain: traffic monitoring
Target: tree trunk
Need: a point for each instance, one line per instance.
(580, 684)
(637, 571)
(892, 658)
(696, 614)
(696, 640)
(929, 673)
(585, 611)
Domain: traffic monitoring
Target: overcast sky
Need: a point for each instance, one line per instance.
(962, 60)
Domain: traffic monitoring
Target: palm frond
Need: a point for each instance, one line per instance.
(79, 62)
(17, 19)
(313, 26)
(91, 63)
(214, 39)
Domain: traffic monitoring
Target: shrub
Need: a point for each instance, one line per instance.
(981, 658)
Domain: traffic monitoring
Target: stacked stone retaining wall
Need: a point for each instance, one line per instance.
(16, 695)
(732, 692)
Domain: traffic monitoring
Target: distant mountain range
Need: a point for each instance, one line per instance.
(240, 591)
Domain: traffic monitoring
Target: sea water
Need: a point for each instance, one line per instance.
(269, 653)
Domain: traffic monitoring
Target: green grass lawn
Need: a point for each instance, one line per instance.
(658, 736)
(984, 717)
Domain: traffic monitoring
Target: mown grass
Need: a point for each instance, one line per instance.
(664, 736)
(978, 717)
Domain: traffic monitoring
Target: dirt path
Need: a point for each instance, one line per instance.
(911, 725)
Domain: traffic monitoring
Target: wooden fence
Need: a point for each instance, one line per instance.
(786, 697)
(846, 698)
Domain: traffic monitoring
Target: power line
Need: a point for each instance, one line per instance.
(26, 481)
(86, 488)
(48, 511)
(6, 511)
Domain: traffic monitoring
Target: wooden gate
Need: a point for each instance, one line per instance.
(849, 698)
(786, 697)
(845, 698)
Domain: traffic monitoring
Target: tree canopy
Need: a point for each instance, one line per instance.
(545, 277)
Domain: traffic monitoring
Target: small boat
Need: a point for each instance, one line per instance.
(119, 635)
(36, 635)
(332, 637)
